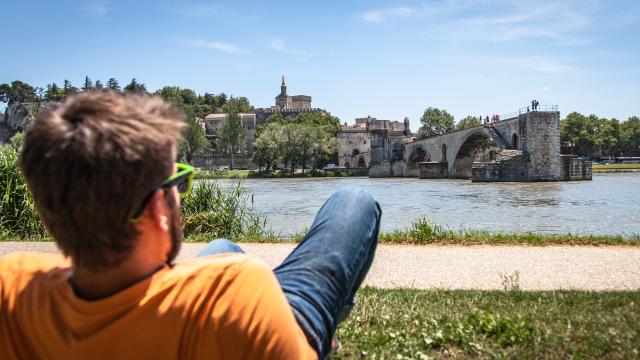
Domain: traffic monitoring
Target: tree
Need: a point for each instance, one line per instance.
(182, 98)
(435, 122)
(98, 85)
(231, 138)
(468, 122)
(288, 146)
(54, 93)
(582, 133)
(112, 84)
(267, 146)
(88, 85)
(135, 86)
(68, 88)
(17, 92)
(325, 121)
(610, 137)
(240, 104)
(630, 136)
(193, 139)
(221, 100)
(294, 144)
(325, 148)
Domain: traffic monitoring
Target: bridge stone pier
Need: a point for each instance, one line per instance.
(523, 148)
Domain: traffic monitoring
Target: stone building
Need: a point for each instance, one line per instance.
(356, 141)
(212, 124)
(287, 105)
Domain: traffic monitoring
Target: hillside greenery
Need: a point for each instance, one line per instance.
(307, 140)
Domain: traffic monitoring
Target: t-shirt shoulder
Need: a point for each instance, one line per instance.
(17, 269)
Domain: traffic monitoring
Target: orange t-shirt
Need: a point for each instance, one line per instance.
(217, 307)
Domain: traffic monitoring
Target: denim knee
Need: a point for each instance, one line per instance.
(220, 246)
(364, 199)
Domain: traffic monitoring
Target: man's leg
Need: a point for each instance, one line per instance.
(321, 276)
(220, 246)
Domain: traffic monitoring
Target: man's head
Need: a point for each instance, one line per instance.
(89, 164)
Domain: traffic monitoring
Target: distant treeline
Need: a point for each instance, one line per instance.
(597, 137)
(192, 104)
(187, 99)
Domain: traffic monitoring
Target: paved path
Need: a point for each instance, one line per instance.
(469, 267)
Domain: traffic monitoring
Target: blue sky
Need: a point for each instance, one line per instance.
(387, 59)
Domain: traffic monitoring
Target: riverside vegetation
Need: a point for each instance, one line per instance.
(214, 210)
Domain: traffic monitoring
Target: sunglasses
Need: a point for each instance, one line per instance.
(182, 180)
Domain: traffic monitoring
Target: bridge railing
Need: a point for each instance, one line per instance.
(524, 110)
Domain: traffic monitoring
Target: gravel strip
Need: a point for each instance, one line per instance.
(596, 268)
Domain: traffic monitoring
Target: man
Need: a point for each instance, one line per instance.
(102, 174)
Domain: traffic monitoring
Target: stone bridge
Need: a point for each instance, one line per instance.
(524, 147)
(458, 149)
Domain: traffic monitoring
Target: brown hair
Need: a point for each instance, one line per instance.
(90, 162)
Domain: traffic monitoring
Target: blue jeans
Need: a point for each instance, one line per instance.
(322, 274)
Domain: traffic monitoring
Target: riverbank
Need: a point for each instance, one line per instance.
(487, 324)
(253, 174)
(421, 232)
(615, 168)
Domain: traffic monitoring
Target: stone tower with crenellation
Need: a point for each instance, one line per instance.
(287, 105)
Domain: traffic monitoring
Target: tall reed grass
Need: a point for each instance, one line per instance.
(18, 216)
(213, 211)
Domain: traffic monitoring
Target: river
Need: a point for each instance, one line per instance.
(610, 204)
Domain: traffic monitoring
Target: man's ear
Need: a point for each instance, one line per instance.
(157, 210)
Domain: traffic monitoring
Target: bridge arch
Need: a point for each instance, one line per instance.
(474, 144)
(361, 162)
(418, 155)
(514, 141)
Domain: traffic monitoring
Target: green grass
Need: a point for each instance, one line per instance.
(221, 174)
(422, 324)
(616, 166)
(424, 232)
(613, 168)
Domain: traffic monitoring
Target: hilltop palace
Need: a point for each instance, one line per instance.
(355, 140)
(525, 146)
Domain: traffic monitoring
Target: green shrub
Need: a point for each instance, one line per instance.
(215, 211)
(18, 216)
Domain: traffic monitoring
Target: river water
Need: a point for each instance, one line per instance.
(610, 204)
